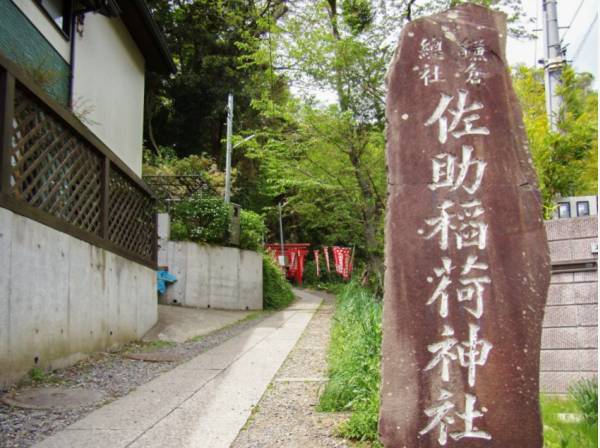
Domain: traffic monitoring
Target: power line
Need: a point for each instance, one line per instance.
(585, 36)
(572, 20)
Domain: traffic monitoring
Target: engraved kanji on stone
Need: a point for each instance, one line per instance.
(444, 171)
(473, 50)
(431, 48)
(442, 353)
(441, 291)
(439, 417)
(473, 353)
(462, 113)
(472, 231)
(473, 287)
(474, 74)
(441, 224)
(470, 431)
(429, 74)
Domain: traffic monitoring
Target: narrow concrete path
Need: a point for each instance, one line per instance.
(287, 414)
(202, 403)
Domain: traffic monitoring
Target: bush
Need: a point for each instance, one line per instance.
(277, 292)
(179, 231)
(562, 433)
(354, 362)
(585, 395)
(252, 230)
(204, 219)
(329, 281)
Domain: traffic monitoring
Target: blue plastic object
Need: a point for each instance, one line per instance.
(162, 278)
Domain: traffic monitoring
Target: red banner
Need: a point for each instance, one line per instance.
(343, 261)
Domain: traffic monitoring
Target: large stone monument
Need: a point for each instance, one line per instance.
(466, 253)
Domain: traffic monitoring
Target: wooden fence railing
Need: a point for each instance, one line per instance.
(55, 171)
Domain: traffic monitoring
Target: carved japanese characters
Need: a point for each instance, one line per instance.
(467, 265)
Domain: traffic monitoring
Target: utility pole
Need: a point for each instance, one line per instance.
(553, 64)
(229, 148)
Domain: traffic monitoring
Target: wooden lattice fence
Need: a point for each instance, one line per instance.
(54, 170)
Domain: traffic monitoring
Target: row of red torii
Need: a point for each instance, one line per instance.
(296, 253)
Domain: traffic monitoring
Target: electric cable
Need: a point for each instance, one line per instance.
(572, 20)
(585, 36)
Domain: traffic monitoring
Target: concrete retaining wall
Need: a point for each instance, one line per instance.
(213, 277)
(61, 298)
(570, 328)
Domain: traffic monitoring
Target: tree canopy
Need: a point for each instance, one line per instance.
(308, 79)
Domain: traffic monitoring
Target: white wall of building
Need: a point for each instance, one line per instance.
(62, 298)
(45, 27)
(108, 86)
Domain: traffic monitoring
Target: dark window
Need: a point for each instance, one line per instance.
(564, 210)
(59, 11)
(583, 208)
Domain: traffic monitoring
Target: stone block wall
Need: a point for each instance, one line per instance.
(570, 328)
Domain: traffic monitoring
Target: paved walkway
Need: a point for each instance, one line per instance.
(178, 323)
(202, 403)
(287, 415)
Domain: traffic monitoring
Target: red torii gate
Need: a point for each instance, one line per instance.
(295, 254)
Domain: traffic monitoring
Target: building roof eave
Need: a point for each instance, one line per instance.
(148, 37)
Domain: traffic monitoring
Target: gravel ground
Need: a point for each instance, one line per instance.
(286, 416)
(110, 373)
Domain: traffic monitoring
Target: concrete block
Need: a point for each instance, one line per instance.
(559, 360)
(213, 276)
(39, 294)
(164, 231)
(559, 382)
(6, 218)
(146, 299)
(582, 249)
(223, 289)
(122, 283)
(63, 298)
(177, 263)
(587, 276)
(251, 280)
(587, 337)
(566, 277)
(87, 298)
(560, 251)
(560, 316)
(197, 276)
(573, 293)
(559, 338)
(564, 229)
(587, 315)
(588, 360)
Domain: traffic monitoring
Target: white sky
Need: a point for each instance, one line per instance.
(528, 51)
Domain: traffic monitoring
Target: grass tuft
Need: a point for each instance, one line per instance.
(277, 292)
(585, 395)
(354, 362)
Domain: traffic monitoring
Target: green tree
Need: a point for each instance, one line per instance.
(210, 42)
(566, 161)
(328, 160)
